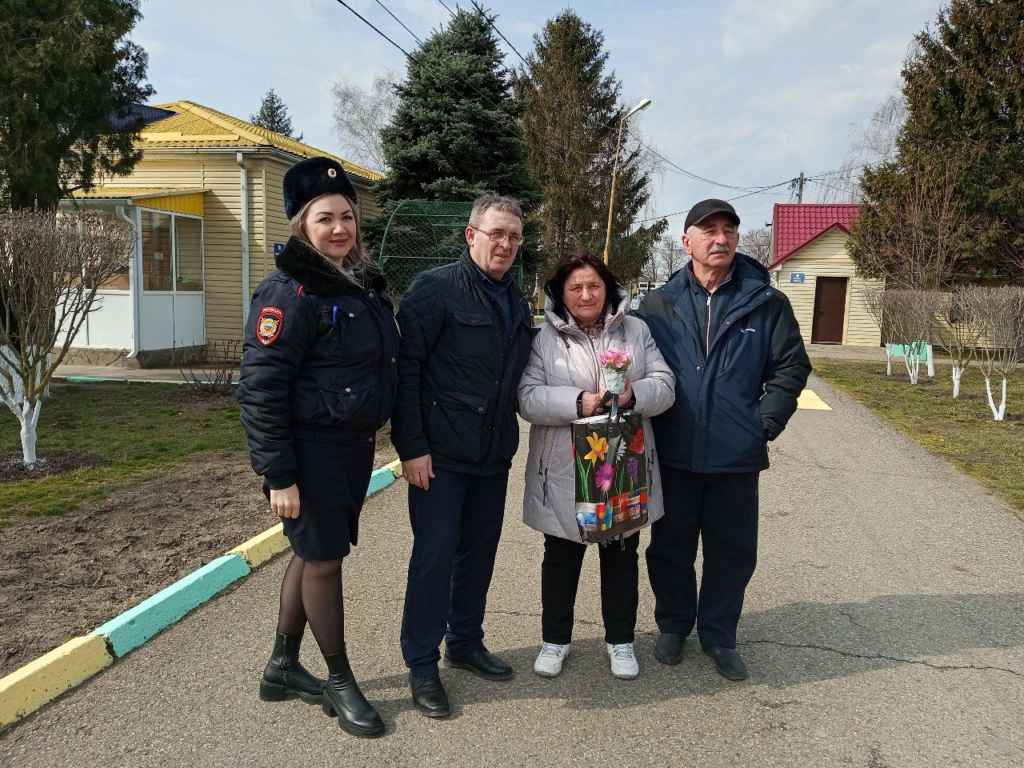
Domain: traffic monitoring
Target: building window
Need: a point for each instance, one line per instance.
(172, 252)
(157, 263)
(188, 258)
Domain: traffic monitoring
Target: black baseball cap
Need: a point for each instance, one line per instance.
(706, 208)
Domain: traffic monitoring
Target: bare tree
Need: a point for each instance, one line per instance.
(667, 257)
(50, 269)
(871, 144)
(959, 331)
(875, 301)
(999, 313)
(360, 115)
(757, 244)
(906, 320)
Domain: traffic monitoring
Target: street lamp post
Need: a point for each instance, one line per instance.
(644, 104)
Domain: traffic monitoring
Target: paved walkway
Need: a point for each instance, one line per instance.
(884, 627)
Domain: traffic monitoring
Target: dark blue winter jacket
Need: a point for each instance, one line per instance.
(459, 371)
(732, 401)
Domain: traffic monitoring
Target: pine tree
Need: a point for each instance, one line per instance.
(273, 116)
(455, 133)
(571, 125)
(70, 76)
(964, 87)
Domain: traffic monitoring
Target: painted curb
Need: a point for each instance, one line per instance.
(39, 682)
(380, 479)
(26, 689)
(137, 625)
(259, 549)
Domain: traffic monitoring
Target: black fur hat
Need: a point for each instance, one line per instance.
(311, 178)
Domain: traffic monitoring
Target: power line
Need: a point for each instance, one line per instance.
(760, 191)
(679, 169)
(400, 22)
(480, 10)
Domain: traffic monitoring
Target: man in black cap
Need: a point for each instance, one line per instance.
(735, 348)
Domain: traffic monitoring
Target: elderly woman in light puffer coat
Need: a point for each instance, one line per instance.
(585, 314)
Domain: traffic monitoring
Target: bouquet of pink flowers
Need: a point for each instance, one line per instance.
(614, 364)
(615, 359)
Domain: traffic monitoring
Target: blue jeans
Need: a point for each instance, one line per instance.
(456, 526)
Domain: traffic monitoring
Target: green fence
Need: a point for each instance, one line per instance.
(423, 234)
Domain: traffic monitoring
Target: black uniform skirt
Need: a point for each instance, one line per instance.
(332, 479)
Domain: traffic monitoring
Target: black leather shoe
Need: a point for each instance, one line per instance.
(727, 662)
(344, 700)
(669, 648)
(481, 663)
(284, 675)
(428, 695)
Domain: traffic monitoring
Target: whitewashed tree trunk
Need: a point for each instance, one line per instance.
(931, 361)
(26, 409)
(957, 374)
(998, 413)
(888, 359)
(913, 361)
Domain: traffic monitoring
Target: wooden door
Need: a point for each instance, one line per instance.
(829, 310)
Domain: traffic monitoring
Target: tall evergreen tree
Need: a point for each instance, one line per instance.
(964, 88)
(455, 133)
(273, 116)
(571, 120)
(68, 80)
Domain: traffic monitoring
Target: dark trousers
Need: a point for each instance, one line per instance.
(560, 578)
(721, 511)
(456, 526)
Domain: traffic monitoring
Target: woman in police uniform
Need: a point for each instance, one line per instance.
(317, 381)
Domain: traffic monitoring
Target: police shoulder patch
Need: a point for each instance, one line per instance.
(269, 324)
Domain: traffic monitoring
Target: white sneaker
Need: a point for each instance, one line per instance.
(624, 663)
(549, 662)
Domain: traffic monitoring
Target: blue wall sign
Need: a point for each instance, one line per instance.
(278, 247)
(796, 277)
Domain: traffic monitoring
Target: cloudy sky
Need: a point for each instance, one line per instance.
(746, 93)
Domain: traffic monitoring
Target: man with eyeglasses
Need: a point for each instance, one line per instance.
(466, 335)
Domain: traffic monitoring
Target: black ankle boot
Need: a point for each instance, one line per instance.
(284, 674)
(342, 698)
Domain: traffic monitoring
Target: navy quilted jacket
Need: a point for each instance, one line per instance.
(458, 371)
(732, 401)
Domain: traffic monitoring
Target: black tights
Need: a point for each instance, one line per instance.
(311, 591)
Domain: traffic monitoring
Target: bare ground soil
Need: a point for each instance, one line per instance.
(61, 577)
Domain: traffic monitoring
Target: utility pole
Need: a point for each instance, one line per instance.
(800, 189)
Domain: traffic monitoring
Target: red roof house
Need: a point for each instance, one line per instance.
(811, 266)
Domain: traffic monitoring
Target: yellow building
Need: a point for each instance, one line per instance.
(206, 204)
(811, 266)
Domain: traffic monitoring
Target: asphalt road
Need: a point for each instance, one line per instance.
(883, 628)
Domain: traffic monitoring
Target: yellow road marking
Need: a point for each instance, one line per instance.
(811, 402)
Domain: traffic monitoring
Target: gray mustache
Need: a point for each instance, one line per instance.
(719, 249)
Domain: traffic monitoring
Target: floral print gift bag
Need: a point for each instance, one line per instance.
(610, 465)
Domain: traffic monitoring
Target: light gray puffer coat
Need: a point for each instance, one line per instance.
(563, 363)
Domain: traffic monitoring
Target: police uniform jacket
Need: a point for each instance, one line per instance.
(459, 371)
(319, 360)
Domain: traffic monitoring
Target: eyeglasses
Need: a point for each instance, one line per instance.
(496, 236)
